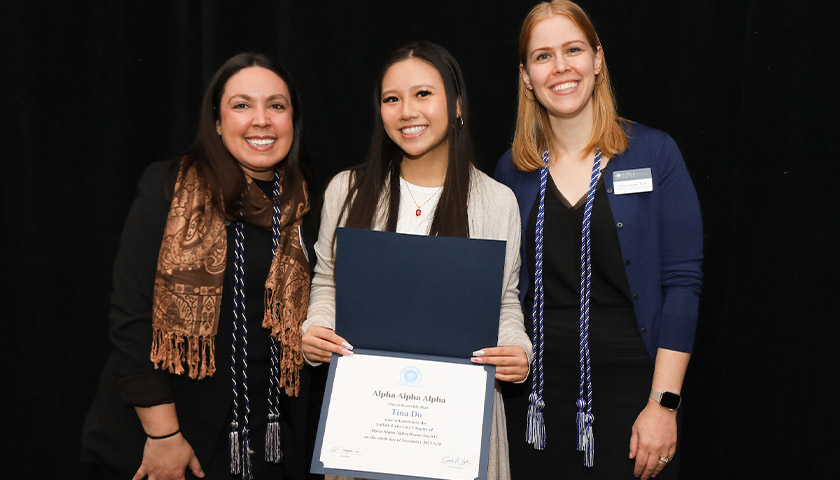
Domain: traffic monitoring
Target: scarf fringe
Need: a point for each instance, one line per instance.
(285, 326)
(170, 350)
(184, 330)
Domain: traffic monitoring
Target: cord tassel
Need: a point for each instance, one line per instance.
(273, 450)
(589, 443)
(580, 423)
(235, 453)
(535, 433)
(535, 422)
(247, 470)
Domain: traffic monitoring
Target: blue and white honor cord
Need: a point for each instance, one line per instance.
(584, 420)
(240, 444)
(273, 450)
(535, 429)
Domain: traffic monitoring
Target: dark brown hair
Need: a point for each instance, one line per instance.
(214, 161)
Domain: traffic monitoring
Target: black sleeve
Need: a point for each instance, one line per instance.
(133, 285)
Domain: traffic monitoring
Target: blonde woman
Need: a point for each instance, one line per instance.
(612, 254)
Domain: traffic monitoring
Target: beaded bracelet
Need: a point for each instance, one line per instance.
(161, 437)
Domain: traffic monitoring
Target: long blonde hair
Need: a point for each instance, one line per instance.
(533, 132)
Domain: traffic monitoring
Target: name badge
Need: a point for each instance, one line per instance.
(638, 180)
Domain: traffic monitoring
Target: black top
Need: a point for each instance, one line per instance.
(561, 259)
(620, 367)
(112, 433)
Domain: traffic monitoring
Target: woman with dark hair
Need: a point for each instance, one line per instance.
(419, 178)
(208, 318)
(612, 247)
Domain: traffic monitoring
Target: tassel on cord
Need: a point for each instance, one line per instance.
(535, 434)
(273, 450)
(247, 470)
(589, 443)
(235, 454)
(535, 426)
(580, 423)
(584, 418)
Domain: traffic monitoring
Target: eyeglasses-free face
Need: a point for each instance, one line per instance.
(255, 120)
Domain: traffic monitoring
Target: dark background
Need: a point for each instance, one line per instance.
(95, 91)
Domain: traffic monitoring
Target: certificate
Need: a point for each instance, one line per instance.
(409, 403)
(392, 416)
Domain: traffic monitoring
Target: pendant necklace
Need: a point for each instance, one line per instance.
(419, 212)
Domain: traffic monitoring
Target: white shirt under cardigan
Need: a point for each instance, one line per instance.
(493, 214)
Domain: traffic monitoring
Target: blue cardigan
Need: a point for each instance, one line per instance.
(660, 234)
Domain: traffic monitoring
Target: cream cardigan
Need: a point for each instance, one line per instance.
(494, 215)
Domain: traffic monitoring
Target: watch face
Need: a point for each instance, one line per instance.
(670, 400)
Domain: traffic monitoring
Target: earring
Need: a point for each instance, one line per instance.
(529, 94)
(218, 130)
(460, 123)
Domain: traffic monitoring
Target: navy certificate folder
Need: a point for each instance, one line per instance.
(418, 294)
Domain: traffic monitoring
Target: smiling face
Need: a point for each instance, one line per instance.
(255, 120)
(414, 110)
(561, 67)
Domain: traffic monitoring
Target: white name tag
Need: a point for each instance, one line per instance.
(632, 181)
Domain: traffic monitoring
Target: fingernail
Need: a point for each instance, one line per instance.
(475, 360)
(478, 353)
(346, 352)
(347, 345)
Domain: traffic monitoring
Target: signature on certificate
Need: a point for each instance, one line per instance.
(345, 451)
(455, 462)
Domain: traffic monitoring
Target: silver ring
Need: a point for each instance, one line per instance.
(664, 459)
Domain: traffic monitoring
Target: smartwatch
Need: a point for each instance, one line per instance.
(669, 400)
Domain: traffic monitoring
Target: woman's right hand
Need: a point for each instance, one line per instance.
(319, 343)
(168, 458)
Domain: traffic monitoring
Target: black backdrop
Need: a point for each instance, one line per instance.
(95, 91)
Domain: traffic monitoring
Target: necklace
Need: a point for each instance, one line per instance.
(419, 212)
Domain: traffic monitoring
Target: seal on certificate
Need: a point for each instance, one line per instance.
(410, 376)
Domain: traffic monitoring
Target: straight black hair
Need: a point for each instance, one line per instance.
(381, 169)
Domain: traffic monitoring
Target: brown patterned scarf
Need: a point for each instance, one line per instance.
(191, 270)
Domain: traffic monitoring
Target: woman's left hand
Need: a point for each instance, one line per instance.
(653, 442)
(511, 362)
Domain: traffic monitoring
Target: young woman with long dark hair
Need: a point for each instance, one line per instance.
(419, 178)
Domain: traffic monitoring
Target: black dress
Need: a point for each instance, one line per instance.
(621, 369)
(113, 438)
